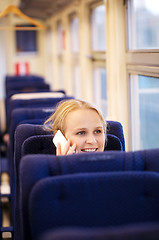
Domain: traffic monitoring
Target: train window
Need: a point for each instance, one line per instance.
(74, 27)
(98, 57)
(75, 47)
(26, 40)
(145, 109)
(76, 81)
(61, 48)
(49, 49)
(61, 74)
(143, 17)
(98, 28)
(100, 93)
(61, 37)
(142, 65)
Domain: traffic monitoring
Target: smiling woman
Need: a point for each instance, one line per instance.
(82, 125)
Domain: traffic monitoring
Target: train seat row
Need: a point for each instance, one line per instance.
(19, 91)
(34, 139)
(89, 190)
(88, 193)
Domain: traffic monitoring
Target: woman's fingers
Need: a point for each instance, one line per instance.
(58, 149)
(68, 149)
(72, 149)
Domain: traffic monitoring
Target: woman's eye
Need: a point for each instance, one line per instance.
(97, 131)
(80, 133)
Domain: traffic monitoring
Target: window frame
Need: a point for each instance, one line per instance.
(97, 58)
(138, 62)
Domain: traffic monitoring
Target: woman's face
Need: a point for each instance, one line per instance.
(85, 128)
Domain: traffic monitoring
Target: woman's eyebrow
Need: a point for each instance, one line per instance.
(79, 129)
(99, 127)
(82, 128)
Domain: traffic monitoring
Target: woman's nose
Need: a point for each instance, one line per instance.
(90, 138)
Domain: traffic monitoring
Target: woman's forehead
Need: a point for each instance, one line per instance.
(82, 117)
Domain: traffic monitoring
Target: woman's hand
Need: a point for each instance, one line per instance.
(68, 149)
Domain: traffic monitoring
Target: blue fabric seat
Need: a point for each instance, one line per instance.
(42, 92)
(43, 144)
(94, 199)
(33, 115)
(23, 82)
(20, 115)
(38, 166)
(139, 231)
(22, 132)
(116, 128)
(32, 103)
(24, 87)
(37, 140)
(31, 78)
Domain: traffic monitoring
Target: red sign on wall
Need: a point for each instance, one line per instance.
(22, 68)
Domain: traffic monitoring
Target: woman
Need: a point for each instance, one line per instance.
(82, 125)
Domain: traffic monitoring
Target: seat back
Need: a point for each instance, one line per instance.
(46, 145)
(139, 231)
(26, 85)
(23, 83)
(94, 199)
(115, 141)
(32, 103)
(38, 166)
(29, 78)
(116, 128)
(34, 139)
(35, 116)
(32, 95)
(25, 114)
(43, 144)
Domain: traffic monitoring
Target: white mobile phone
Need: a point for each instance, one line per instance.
(59, 138)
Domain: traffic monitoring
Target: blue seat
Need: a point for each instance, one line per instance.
(39, 144)
(115, 134)
(23, 82)
(24, 131)
(43, 144)
(116, 128)
(139, 231)
(38, 166)
(27, 135)
(32, 103)
(35, 115)
(22, 85)
(25, 114)
(94, 199)
(29, 78)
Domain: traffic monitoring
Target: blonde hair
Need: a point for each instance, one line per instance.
(57, 120)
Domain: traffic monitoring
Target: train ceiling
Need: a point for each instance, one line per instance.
(42, 9)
